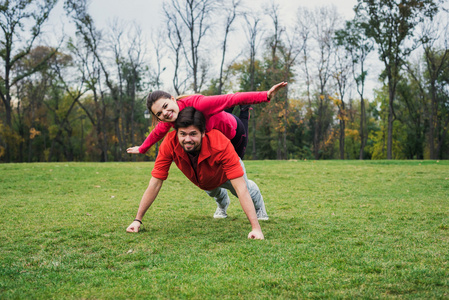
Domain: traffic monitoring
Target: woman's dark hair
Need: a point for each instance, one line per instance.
(153, 97)
(191, 116)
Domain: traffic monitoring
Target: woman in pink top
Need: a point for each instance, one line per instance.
(166, 109)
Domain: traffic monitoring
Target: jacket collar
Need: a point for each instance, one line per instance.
(205, 149)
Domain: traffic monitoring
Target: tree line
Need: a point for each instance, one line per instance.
(83, 98)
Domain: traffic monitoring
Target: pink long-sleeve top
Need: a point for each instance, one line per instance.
(213, 109)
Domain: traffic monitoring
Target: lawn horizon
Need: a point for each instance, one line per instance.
(337, 229)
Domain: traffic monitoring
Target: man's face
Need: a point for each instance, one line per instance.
(190, 138)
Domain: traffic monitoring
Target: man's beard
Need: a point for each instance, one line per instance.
(194, 150)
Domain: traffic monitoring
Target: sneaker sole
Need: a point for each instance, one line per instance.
(220, 217)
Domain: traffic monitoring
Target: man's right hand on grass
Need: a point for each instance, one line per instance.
(256, 235)
(134, 227)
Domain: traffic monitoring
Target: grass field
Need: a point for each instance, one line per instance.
(337, 229)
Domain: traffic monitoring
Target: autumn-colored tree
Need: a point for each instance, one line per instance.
(21, 22)
(40, 100)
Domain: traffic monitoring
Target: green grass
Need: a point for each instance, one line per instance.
(337, 229)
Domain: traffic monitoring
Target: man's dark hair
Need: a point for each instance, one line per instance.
(191, 116)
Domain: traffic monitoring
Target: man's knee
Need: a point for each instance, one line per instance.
(253, 187)
(217, 193)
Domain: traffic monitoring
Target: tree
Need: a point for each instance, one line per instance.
(390, 24)
(129, 52)
(62, 107)
(324, 23)
(158, 42)
(93, 42)
(253, 33)
(341, 76)
(411, 112)
(353, 38)
(291, 49)
(304, 19)
(231, 14)
(277, 110)
(46, 107)
(20, 20)
(176, 33)
(94, 106)
(434, 36)
(442, 103)
(193, 17)
(284, 46)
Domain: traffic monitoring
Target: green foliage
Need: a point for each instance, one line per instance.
(359, 45)
(11, 138)
(337, 229)
(411, 113)
(377, 147)
(151, 153)
(272, 125)
(390, 23)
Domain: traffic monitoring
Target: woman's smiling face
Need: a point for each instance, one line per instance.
(165, 109)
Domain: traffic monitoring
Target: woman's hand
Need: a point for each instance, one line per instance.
(272, 92)
(133, 150)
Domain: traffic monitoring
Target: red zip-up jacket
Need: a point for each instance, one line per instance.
(217, 161)
(212, 108)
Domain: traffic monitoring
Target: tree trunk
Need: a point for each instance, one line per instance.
(443, 137)
(432, 123)
(133, 96)
(254, 139)
(342, 139)
(390, 122)
(279, 149)
(390, 134)
(8, 110)
(316, 140)
(362, 127)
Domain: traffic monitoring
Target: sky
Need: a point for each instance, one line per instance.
(148, 14)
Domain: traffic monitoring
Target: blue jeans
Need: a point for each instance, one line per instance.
(221, 195)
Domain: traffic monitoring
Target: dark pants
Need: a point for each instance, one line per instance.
(240, 140)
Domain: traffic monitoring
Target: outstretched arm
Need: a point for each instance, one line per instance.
(147, 199)
(210, 105)
(161, 129)
(239, 185)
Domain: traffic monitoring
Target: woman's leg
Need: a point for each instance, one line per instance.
(244, 116)
(240, 140)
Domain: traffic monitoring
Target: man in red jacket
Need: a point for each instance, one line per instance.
(210, 162)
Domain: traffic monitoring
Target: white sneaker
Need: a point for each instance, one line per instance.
(220, 213)
(261, 213)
